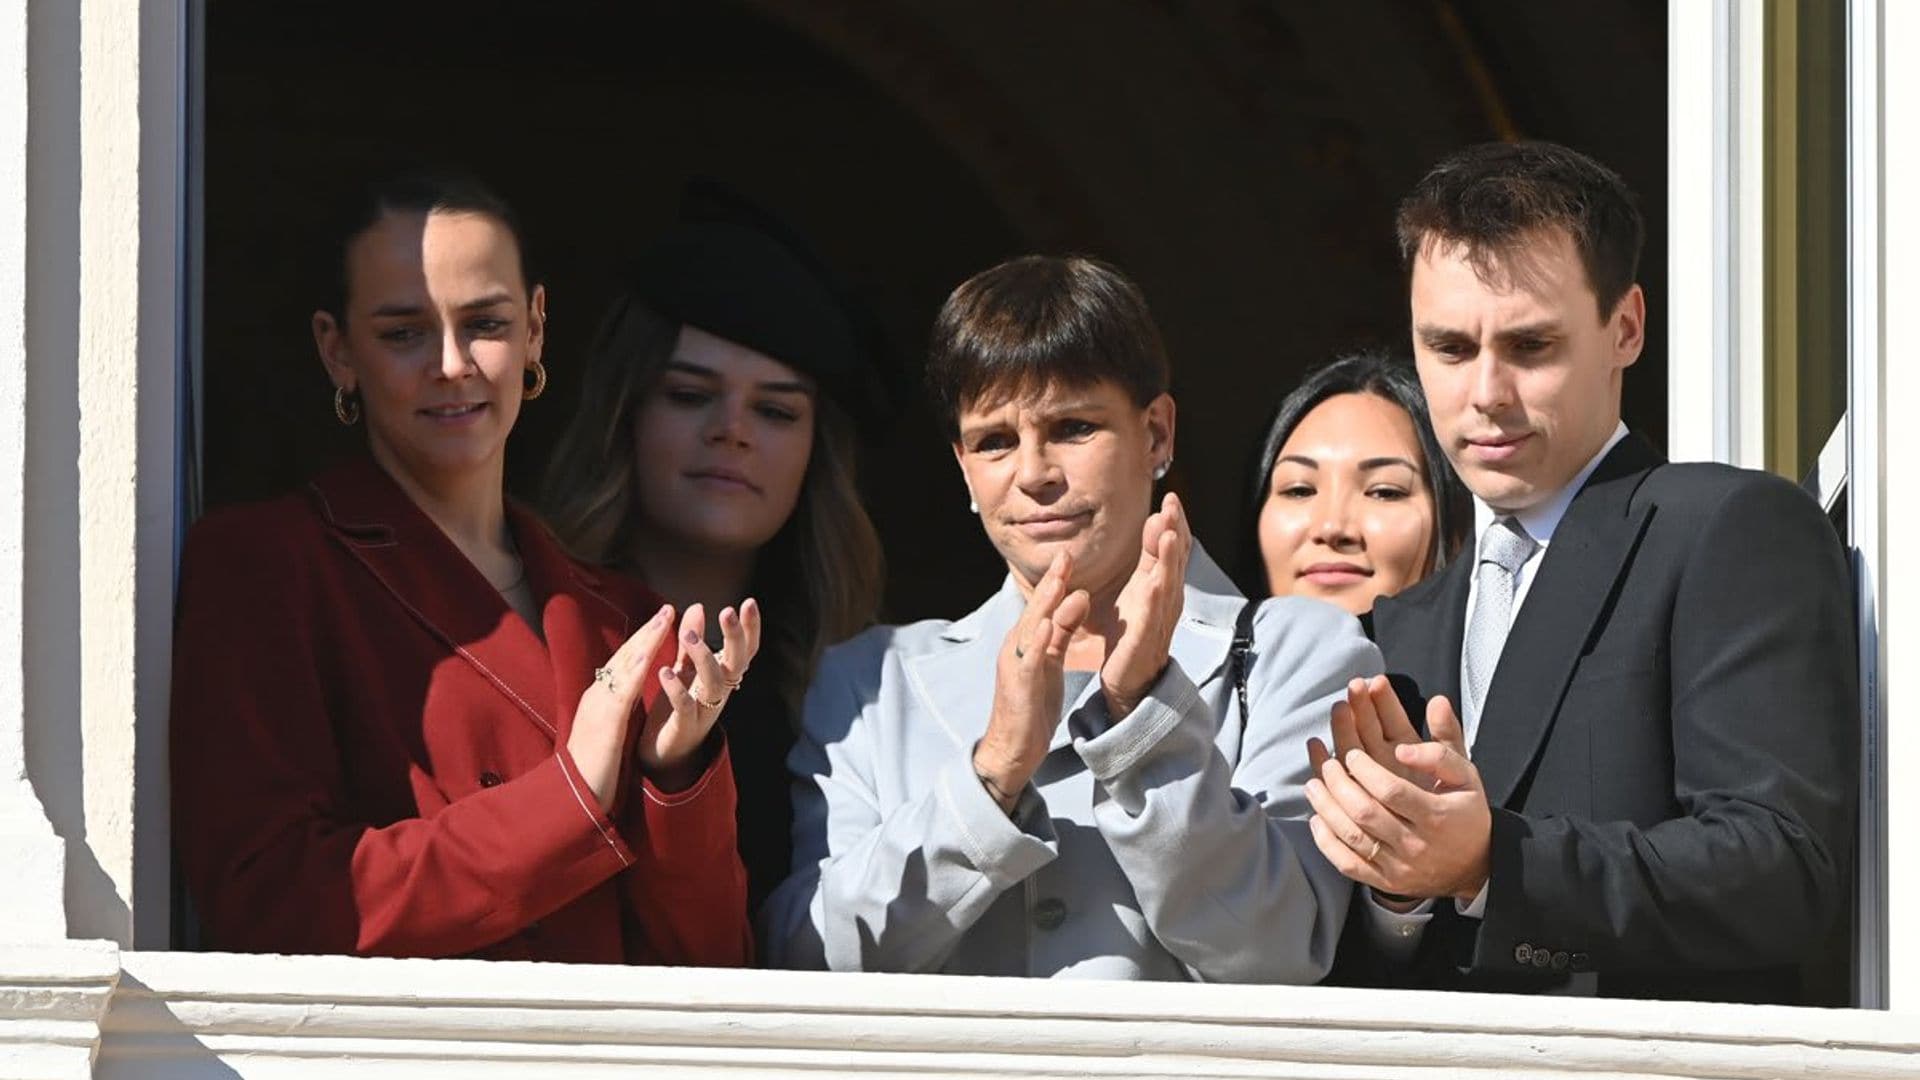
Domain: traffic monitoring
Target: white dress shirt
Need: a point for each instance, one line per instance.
(1398, 933)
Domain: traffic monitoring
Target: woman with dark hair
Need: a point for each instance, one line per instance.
(1352, 498)
(405, 722)
(712, 456)
(1088, 776)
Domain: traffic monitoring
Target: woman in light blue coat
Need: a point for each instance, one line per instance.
(1089, 775)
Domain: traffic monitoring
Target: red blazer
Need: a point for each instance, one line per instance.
(369, 750)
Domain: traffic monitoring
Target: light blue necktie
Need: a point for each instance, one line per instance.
(1504, 549)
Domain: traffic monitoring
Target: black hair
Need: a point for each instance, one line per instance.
(1382, 376)
(1490, 199)
(418, 191)
(1038, 321)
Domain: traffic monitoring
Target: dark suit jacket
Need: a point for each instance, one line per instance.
(369, 750)
(1668, 743)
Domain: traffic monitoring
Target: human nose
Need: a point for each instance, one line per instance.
(456, 358)
(1492, 390)
(1033, 468)
(1333, 523)
(727, 422)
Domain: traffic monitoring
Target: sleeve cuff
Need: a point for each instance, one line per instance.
(1123, 742)
(582, 794)
(691, 826)
(1396, 933)
(1005, 849)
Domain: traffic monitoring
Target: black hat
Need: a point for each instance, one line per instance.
(737, 272)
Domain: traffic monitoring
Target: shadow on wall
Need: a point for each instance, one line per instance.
(1240, 161)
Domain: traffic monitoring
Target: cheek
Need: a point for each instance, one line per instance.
(1397, 537)
(1283, 526)
(788, 449)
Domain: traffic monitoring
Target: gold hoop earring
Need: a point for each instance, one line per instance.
(539, 372)
(346, 406)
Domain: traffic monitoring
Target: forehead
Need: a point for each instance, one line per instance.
(731, 360)
(1354, 426)
(1010, 402)
(1540, 277)
(441, 258)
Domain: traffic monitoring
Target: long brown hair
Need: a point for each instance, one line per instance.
(818, 579)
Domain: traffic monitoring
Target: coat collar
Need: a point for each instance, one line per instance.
(408, 555)
(955, 682)
(1555, 624)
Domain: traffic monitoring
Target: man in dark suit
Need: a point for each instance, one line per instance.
(1640, 681)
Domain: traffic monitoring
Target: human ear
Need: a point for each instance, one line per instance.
(1160, 422)
(536, 323)
(330, 341)
(1630, 326)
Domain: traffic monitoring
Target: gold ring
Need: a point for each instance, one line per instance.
(734, 683)
(698, 700)
(1375, 853)
(605, 675)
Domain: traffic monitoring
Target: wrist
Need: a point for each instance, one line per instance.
(1002, 782)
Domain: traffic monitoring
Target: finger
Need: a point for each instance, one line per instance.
(733, 646)
(1395, 727)
(1317, 755)
(750, 622)
(1444, 769)
(679, 696)
(1366, 720)
(1073, 611)
(1344, 859)
(1321, 796)
(1405, 800)
(708, 679)
(642, 644)
(1150, 534)
(1362, 806)
(1341, 725)
(692, 621)
(1444, 726)
(1176, 512)
(1045, 597)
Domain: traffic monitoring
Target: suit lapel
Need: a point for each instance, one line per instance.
(1590, 549)
(408, 555)
(1421, 632)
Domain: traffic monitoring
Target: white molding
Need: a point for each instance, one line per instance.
(52, 1001)
(177, 1016)
(31, 903)
(1698, 311)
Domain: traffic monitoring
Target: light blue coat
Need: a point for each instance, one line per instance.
(1164, 846)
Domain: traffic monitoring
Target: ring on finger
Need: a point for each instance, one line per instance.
(734, 683)
(604, 676)
(703, 703)
(1375, 853)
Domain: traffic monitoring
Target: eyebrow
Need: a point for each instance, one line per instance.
(1366, 465)
(778, 386)
(401, 311)
(1440, 335)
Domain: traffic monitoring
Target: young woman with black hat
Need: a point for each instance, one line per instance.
(712, 457)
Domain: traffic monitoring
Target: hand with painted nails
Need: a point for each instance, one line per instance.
(600, 721)
(694, 691)
(1029, 685)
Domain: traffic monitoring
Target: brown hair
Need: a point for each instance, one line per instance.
(818, 579)
(1038, 321)
(1492, 199)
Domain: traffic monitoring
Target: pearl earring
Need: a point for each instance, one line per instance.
(972, 507)
(1160, 470)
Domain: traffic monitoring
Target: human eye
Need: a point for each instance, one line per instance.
(1073, 430)
(778, 413)
(488, 325)
(992, 442)
(684, 396)
(400, 335)
(1387, 493)
(1295, 490)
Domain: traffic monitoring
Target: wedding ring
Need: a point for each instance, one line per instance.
(605, 675)
(1375, 853)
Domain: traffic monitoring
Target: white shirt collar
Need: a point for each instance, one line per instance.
(1541, 519)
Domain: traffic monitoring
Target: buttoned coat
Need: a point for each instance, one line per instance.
(369, 750)
(1168, 844)
(1668, 742)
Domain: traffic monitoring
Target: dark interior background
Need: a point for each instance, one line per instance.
(1241, 160)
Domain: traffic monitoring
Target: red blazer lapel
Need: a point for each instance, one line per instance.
(406, 553)
(585, 614)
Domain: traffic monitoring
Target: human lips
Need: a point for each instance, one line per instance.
(454, 412)
(1334, 574)
(720, 478)
(1499, 447)
(1052, 525)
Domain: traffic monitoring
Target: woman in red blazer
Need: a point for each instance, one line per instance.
(405, 723)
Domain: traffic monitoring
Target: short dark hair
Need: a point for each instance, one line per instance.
(415, 191)
(1039, 321)
(1490, 198)
(1383, 376)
